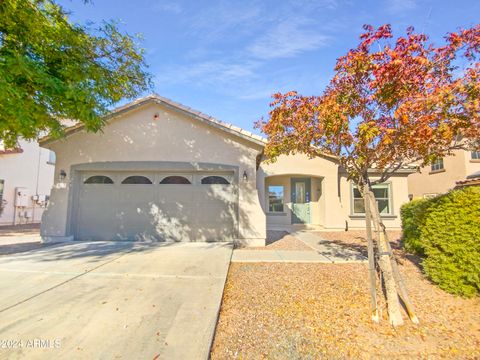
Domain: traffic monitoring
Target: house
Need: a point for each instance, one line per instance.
(443, 174)
(26, 177)
(471, 180)
(160, 170)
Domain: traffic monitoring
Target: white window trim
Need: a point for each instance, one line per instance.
(391, 213)
(283, 201)
(435, 163)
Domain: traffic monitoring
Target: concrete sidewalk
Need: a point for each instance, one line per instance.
(289, 256)
(323, 251)
(328, 248)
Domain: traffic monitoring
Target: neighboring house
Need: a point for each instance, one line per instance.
(160, 170)
(26, 177)
(443, 174)
(471, 180)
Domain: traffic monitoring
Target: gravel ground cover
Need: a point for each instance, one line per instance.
(355, 239)
(311, 311)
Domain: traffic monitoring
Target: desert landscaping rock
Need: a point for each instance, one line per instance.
(311, 311)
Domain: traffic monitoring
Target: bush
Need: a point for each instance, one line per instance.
(413, 218)
(450, 238)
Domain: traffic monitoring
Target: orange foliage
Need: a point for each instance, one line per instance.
(390, 102)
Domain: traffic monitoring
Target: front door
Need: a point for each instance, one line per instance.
(300, 200)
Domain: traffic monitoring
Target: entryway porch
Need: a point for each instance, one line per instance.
(294, 202)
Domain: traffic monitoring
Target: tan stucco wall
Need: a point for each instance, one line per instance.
(29, 169)
(173, 136)
(456, 168)
(334, 206)
(471, 165)
(317, 203)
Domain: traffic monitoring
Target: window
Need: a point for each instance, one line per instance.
(275, 198)
(437, 165)
(98, 179)
(215, 180)
(382, 196)
(51, 158)
(476, 155)
(136, 179)
(179, 180)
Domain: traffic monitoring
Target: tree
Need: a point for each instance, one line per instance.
(51, 69)
(389, 104)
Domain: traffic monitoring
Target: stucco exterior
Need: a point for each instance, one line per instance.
(28, 168)
(154, 137)
(154, 133)
(457, 167)
(331, 192)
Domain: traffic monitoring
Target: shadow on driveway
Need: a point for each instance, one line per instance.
(114, 299)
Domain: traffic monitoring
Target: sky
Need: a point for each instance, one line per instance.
(226, 58)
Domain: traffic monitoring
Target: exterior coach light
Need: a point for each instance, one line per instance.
(245, 176)
(62, 176)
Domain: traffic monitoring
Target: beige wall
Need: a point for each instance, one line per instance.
(317, 205)
(333, 210)
(173, 136)
(456, 167)
(471, 165)
(29, 169)
(176, 137)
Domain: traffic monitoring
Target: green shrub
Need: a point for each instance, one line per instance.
(413, 218)
(450, 237)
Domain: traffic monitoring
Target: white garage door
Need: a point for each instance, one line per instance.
(157, 206)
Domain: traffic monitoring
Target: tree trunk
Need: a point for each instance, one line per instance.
(371, 264)
(393, 304)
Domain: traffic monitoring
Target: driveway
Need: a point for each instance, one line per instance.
(110, 300)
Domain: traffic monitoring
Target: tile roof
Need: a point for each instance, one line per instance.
(471, 180)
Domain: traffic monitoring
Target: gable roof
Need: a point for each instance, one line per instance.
(157, 99)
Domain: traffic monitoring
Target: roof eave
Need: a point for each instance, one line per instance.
(208, 120)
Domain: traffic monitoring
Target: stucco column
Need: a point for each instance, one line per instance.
(54, 219)
(252, 220)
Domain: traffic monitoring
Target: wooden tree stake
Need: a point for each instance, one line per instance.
(371, 264)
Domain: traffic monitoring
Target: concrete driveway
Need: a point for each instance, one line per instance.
(112, 300)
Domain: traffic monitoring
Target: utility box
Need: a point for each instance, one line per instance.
(40, 200)
(21, 197)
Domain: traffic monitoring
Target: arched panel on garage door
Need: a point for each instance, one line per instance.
(137, 180)
(98, 179)
(175, 180)
(213, 179)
